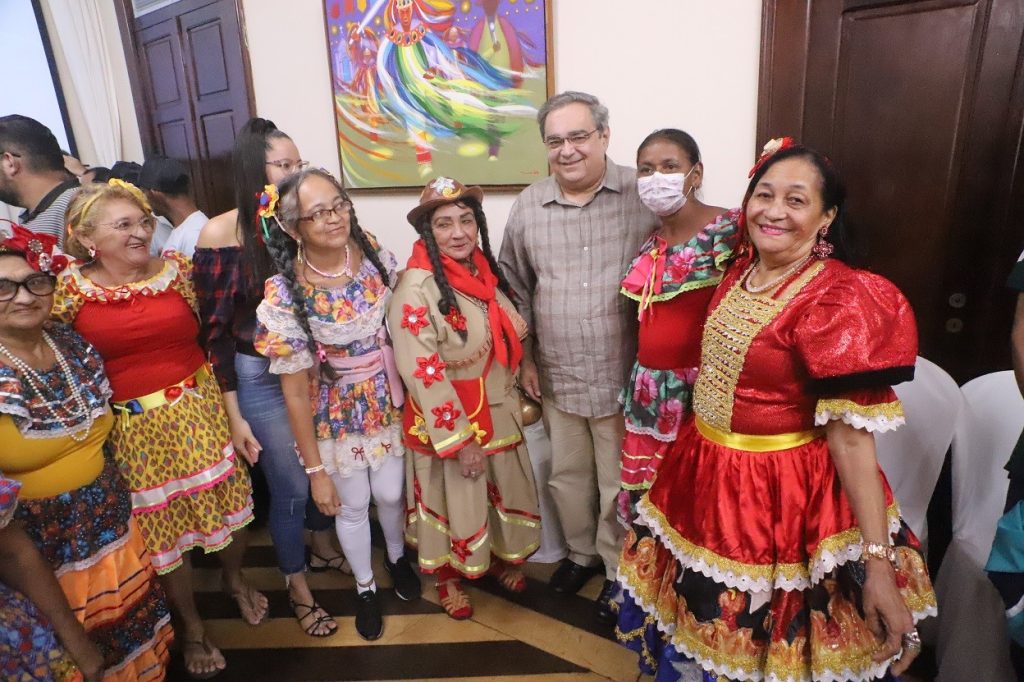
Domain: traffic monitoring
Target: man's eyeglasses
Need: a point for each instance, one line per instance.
(576, 140)
(37, 285)
(322, 215)
(146, 222)
(289, 166)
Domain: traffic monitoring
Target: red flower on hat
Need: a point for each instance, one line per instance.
(456, 319)
(429, 369)
(446, 414)
(39, 249)
(414, 319)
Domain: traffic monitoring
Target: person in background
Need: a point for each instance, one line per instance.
(54, 426)
(321, 323)
(567, 242)
(1005, 566)
(469, 482)
(172, 442)
(773, 547)
(32, 175)
(166, 183)
(231, 266)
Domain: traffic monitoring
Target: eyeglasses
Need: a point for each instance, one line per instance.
(576, 140)
(321, 216)
(289, 166)
(37, 285)
(146, 222)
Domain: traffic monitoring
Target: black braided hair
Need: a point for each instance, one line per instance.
(485, 246)
(448, 303)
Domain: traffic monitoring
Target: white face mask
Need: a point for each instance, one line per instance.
(663, 193)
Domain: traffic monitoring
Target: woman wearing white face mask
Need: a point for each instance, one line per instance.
(672, 279)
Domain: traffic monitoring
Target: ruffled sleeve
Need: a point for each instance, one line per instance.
(182, 282)
(67, 299)
(387, 259)
(856, 341)
(418, 330)
(279, 335)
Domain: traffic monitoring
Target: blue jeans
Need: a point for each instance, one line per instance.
(262, 405)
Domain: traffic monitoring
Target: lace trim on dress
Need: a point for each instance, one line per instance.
(282, 321)
(292, 364)
(156, 284)
(830, 553)
(358, 451)
(872, 418)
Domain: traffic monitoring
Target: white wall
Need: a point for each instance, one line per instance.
(683, 63)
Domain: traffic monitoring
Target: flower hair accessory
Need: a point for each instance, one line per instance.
(266, 211)
(771, 148)
(40, 249)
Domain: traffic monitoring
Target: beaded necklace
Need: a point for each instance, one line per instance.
(37, 384)
(775, 282)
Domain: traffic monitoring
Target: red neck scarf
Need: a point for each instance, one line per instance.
(508, 351)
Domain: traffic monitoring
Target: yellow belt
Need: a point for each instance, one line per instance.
(756, 443)
(165, 396)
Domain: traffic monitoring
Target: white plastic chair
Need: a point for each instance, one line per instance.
(972, 639)
(912, 456)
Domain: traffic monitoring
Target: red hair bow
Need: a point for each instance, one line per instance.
(40, 249)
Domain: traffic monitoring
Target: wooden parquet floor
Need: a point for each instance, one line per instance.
(530, 637)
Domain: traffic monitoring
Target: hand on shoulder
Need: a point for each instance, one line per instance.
(220, 232)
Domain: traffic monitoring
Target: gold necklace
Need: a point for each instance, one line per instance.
(775, 282)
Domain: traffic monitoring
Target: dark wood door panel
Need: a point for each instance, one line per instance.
(915, 102)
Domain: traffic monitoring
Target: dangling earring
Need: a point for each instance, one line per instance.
(92, 253)
(301, 255)
(822, 248)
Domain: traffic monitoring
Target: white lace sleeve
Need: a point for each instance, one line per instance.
(291, 364)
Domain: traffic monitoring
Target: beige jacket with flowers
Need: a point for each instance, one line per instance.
(431, 356)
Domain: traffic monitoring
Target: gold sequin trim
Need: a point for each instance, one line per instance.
(728, 334)
(841, 406)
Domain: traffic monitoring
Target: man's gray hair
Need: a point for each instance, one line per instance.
(597, 110)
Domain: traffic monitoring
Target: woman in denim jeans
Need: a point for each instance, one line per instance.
(231, 264)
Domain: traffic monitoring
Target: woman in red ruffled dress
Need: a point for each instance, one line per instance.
(771, 547)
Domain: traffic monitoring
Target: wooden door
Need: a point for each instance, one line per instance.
(192, 77)
(920, 103)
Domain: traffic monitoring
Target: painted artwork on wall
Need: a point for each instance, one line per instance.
(439, 87)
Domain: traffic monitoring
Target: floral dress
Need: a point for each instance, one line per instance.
(76, 509)
(355, 419)
(673, 285)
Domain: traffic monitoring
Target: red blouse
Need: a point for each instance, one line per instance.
(146, 332)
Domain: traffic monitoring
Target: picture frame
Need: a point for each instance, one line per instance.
(423, 88)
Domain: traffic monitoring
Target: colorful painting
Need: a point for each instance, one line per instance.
(439, 87)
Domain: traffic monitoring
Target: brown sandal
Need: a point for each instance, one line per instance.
(248, 605)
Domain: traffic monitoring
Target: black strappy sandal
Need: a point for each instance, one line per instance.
(336, 563)
(317, 621)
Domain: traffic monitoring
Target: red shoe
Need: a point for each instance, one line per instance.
(454, 600)
(508, 576)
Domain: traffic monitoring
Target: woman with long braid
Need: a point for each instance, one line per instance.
(457, 342)
(231, 264)
(321, 323)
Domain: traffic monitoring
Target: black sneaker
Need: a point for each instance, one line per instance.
(407, 583)
(369, 621)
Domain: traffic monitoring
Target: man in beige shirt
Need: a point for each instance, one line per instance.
(567, 243)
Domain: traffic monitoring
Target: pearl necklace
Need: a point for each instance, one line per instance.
(346, 272)
(775, 282)
(37, 384)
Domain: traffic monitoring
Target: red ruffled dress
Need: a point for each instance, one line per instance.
(758, 577)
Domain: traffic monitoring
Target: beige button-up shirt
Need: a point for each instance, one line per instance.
(565, 263)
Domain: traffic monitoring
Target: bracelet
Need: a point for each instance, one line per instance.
(875, 550)
(317, 468)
